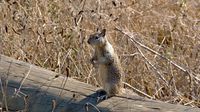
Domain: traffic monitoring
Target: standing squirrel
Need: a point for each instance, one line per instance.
(107, 62)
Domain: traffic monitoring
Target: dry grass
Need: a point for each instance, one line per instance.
(158, 41)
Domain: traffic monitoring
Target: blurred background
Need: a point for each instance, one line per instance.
(53, 34)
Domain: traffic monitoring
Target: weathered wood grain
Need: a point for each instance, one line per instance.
(43, 91)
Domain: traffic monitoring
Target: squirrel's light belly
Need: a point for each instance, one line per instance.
(103, 71)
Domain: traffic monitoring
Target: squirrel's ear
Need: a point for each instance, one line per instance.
(103, 33)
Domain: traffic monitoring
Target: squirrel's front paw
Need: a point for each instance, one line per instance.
(93, 62)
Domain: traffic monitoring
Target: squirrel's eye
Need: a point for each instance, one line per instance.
(96, 37)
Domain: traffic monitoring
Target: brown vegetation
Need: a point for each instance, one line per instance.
(158, 41)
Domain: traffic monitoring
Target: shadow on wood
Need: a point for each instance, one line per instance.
(33, 89)
(32, 99)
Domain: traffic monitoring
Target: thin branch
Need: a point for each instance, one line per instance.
(90, 104)
(138, 91)
(130, 55)
(4, 94)
(157, 71)
(53, 105)
(153, 51)
(18, 90)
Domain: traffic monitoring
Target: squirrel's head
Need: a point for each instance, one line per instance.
(98, 39)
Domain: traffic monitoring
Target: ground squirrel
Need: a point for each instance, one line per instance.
(107, 62)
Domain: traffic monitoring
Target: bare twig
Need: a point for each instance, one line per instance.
(138, 91)
(4, 87)
(157, 71)
(22, 82)
(53, 105)
(4, 95)
(130, 55)
(153, 51)
(90, 104)
(26, 103)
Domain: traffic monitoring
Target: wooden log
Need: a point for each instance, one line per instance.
(33, 89)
